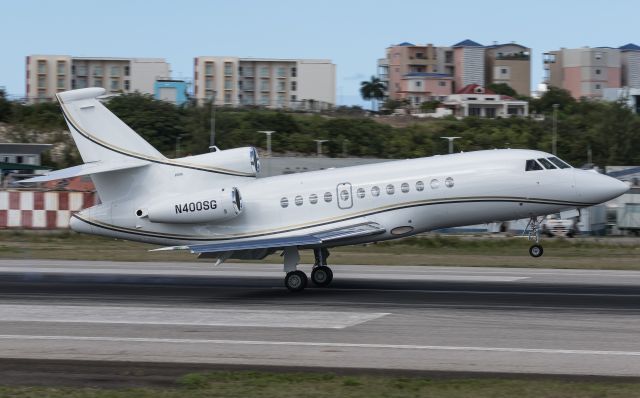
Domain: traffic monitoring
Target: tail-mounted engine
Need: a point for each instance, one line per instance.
(239, 160)
(213, 205)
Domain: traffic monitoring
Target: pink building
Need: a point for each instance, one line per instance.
(419, 87)
(585, 72)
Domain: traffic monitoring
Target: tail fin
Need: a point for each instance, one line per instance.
(98, 133)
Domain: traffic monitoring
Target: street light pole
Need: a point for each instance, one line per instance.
(554, 143)
(268, 133)
(450, 142)
(212, 141)
(319, 143)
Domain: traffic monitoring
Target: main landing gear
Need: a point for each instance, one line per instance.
(534, 234)
(296, 280)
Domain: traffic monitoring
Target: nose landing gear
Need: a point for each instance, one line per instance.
(534, 234)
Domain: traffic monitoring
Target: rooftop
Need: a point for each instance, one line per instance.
(467, 43)
(21, 149)
(630, 47)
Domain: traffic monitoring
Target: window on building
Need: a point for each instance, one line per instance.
(264, 71)
(247, 71)
(42, 67)
(418, 84)
(240, 71)
(61, 82)
(208, 68)
(115, 71)
(294, 98)
(228, 83)
(97, 82)
(42, 82)
(19, 159)
(504, 71)
(474, 110)
(228, 69)
(208, 83)
(127, 70)
(420, 55)
(115, 84)
(81, 70)
(282, 71)
(597, 71)
(490, 112)
(281, 100)
(597, 87)
(61, 67)
(282, 86)
(442, 84)
(127, 85)
(294, 72)
(227, 98)
(597, 55)
(264, 99)
(97, 70)
(294, 86)
(264, 85)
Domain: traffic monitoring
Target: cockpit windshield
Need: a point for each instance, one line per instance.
(552, 163)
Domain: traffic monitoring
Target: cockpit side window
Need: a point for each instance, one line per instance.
(559, 163)
(547, 164)
(533, 165)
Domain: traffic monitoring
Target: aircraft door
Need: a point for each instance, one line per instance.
(344, 195)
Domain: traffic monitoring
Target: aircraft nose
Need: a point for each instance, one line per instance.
(598, 188)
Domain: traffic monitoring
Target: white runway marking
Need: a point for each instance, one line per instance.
(183, 316)
(321, 344)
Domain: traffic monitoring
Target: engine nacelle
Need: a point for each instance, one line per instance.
(238, 160)
(213, 205)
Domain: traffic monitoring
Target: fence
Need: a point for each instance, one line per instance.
(20, 209)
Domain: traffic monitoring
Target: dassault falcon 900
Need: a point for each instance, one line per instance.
(213, 205)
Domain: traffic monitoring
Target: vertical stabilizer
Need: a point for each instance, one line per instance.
(98, 133)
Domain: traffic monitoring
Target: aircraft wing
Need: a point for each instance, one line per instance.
(86, 169)
(311, 239)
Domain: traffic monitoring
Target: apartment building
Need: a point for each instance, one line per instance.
(276, 83)
(426, 72)
(630, 63)
(510, 64)
(47, 75)
(584, 72)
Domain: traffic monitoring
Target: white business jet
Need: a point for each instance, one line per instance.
(213, 204)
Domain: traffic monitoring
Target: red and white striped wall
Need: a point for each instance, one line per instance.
(41, 210)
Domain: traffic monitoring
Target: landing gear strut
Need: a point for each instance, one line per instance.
(534, 234)
(296, 280)
(321, 275)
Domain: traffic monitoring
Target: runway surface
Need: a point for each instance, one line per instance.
(569, 322)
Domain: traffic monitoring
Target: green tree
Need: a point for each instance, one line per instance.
(502, 89)
(553, 95)
(5, 107)
(372, 90)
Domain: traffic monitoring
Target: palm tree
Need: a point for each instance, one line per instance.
(372, 90)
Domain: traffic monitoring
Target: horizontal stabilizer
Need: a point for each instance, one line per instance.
(312, 239)
(87, 169)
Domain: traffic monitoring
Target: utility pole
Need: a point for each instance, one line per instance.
(554, 142)
(212, 141)
(345, 146)
(319, 143)
(268, 133)
(450, 142)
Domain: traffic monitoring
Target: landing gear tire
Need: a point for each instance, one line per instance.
(536, 251)
(321, 276)
(296, 281)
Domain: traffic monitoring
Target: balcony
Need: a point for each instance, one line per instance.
(514, 57)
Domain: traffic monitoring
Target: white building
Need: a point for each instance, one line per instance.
(475, 100)
(291, 83)
(630, 96)
(47, 75)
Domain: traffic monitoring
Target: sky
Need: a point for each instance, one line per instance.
(352, 33)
